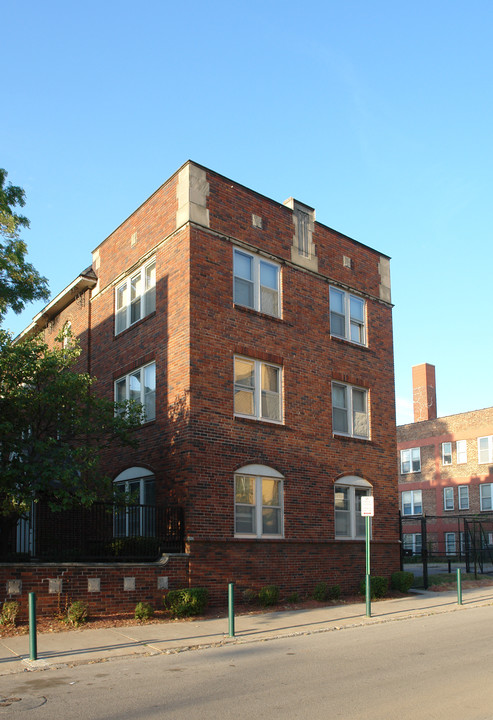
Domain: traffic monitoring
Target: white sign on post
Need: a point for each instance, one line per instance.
(367, 506)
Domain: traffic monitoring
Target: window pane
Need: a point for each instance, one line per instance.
(121, 391)
(244, 404)
(339, 396)
(357, 307)
(360, 521)
(150, 294)
(341, 499)
(135, 301)
(360, 418)
(357, 333)
(337, 325)
(269, 301)
(339, 418)
(418, 509)
(244, 372)
(243, 265)
(270, 492)
(245, 519)
(270, 378)
(342, 525)
(243, 293)
(245, 489)
(150, 392)
(271, 406)
(416, 458)
(268, 275)
(271, 521)
(337, 301)
(134, 387)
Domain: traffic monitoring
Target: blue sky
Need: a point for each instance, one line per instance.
(377, 113)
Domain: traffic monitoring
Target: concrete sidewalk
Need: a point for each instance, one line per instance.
(87, 646)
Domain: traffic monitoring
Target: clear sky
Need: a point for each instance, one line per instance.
(378, 113)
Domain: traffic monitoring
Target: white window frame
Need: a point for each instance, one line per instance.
(257, 264)
(257, 475)
(461, 451)
(450, 543)
(447, 453)
(411, 457)
(448, 498)
(144, 299)
(413, 502)
(463, 495)
(347, 507)
(349, 412)
(354, 327)
(486, 497)
(412, 542)
(123, 389)
(485, 453)
(258, 390)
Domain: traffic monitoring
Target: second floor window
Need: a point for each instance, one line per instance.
(485, 449)
(410, 460)
(256, 283)
(485, 496)
(448, 498)
(257, 389)
(135, 297)
(347, 316)
(412, 503)
(349, 411)
(139, 386)
(447, 453)
(463, 497)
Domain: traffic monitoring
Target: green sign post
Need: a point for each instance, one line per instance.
(367, 511)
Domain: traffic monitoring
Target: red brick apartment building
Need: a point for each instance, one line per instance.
(445, 471)
(259, 342)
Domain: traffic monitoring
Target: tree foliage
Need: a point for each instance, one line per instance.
(20, 282)
(53, 427)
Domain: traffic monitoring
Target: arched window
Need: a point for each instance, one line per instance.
(348, 492)
(135, 495)
(258, 502)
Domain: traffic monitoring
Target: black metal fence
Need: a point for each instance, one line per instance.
(102, 532)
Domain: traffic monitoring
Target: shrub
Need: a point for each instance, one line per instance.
(335, 592)
(378, 587)
(268, 595)
(10, 610)
(293, 598)
(77, 613)
(143, 611)
(186, 602)
(321, 592)
(249, 596)
(401, 580)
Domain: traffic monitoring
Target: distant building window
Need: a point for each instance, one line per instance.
(139, 386)
(485, 449)
(348, 492)
(412, 502)
(411, 460)
(135, 297)
(411, 543)
(347, 316)
(257, 389)
(258, 502)
(256, 283)
(447, 453)
(448, 498)
(450, 543)
(461, 447)
(463, 497)
(350, 411)
(485, 496)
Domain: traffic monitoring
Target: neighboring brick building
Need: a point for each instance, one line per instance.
(260, 344)
(445, 470)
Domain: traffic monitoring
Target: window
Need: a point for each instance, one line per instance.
(485, 449)
(257, 391)
(485, 496)
(134, 512)
(135, 297)
(412, 502)
(411, 543)
(139, 386)
(303, 239)
(258, 502)
(348, 492)
(463, 491)
(66, 335)
(447, 453)
(461, 447)
(347, 316)
(411, 460)
(256, 283)
(450, 543)
(350, 411)
(448, 498)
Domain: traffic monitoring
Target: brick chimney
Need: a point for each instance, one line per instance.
(424, 392)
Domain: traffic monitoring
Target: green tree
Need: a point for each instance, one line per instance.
(20, 282)
(53, 429)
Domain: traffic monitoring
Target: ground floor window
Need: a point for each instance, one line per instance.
(348, 492)
(411, 543)
(485, 496)
(450, 543)
(258, 502)
(134, 513)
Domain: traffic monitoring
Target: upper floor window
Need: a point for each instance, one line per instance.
(412, 503)
(485, 449)
(258, 502)
(139, 386)
(135, 297)
(348, 492)
(447, 453)
(256, 283)
(257, 390)
(347, 316)
(485, 496)
(411, 460)
(350, 410)
(448, 498)
(461, 447)
(463, 491)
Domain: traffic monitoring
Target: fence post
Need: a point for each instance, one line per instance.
(231, 609)
(459, 587)
(424, 552)
(33, 644)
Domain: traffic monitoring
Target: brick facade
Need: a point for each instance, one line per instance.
(196, 443)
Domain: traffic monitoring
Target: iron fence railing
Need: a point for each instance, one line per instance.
(101, 532)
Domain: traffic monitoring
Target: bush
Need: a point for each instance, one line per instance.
(401, 580)
(186, 602)
(10, 610)
(77, 613)
(143, 611)
(269, 595)
(335, 592)
(321, 592)
(378, 587)
(249, 596)
(293, 598)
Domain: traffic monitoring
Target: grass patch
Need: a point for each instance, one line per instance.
(446, 578)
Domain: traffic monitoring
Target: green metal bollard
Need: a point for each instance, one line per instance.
(459, 587)
(33, 643)
(231, 609)
(368, 579)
